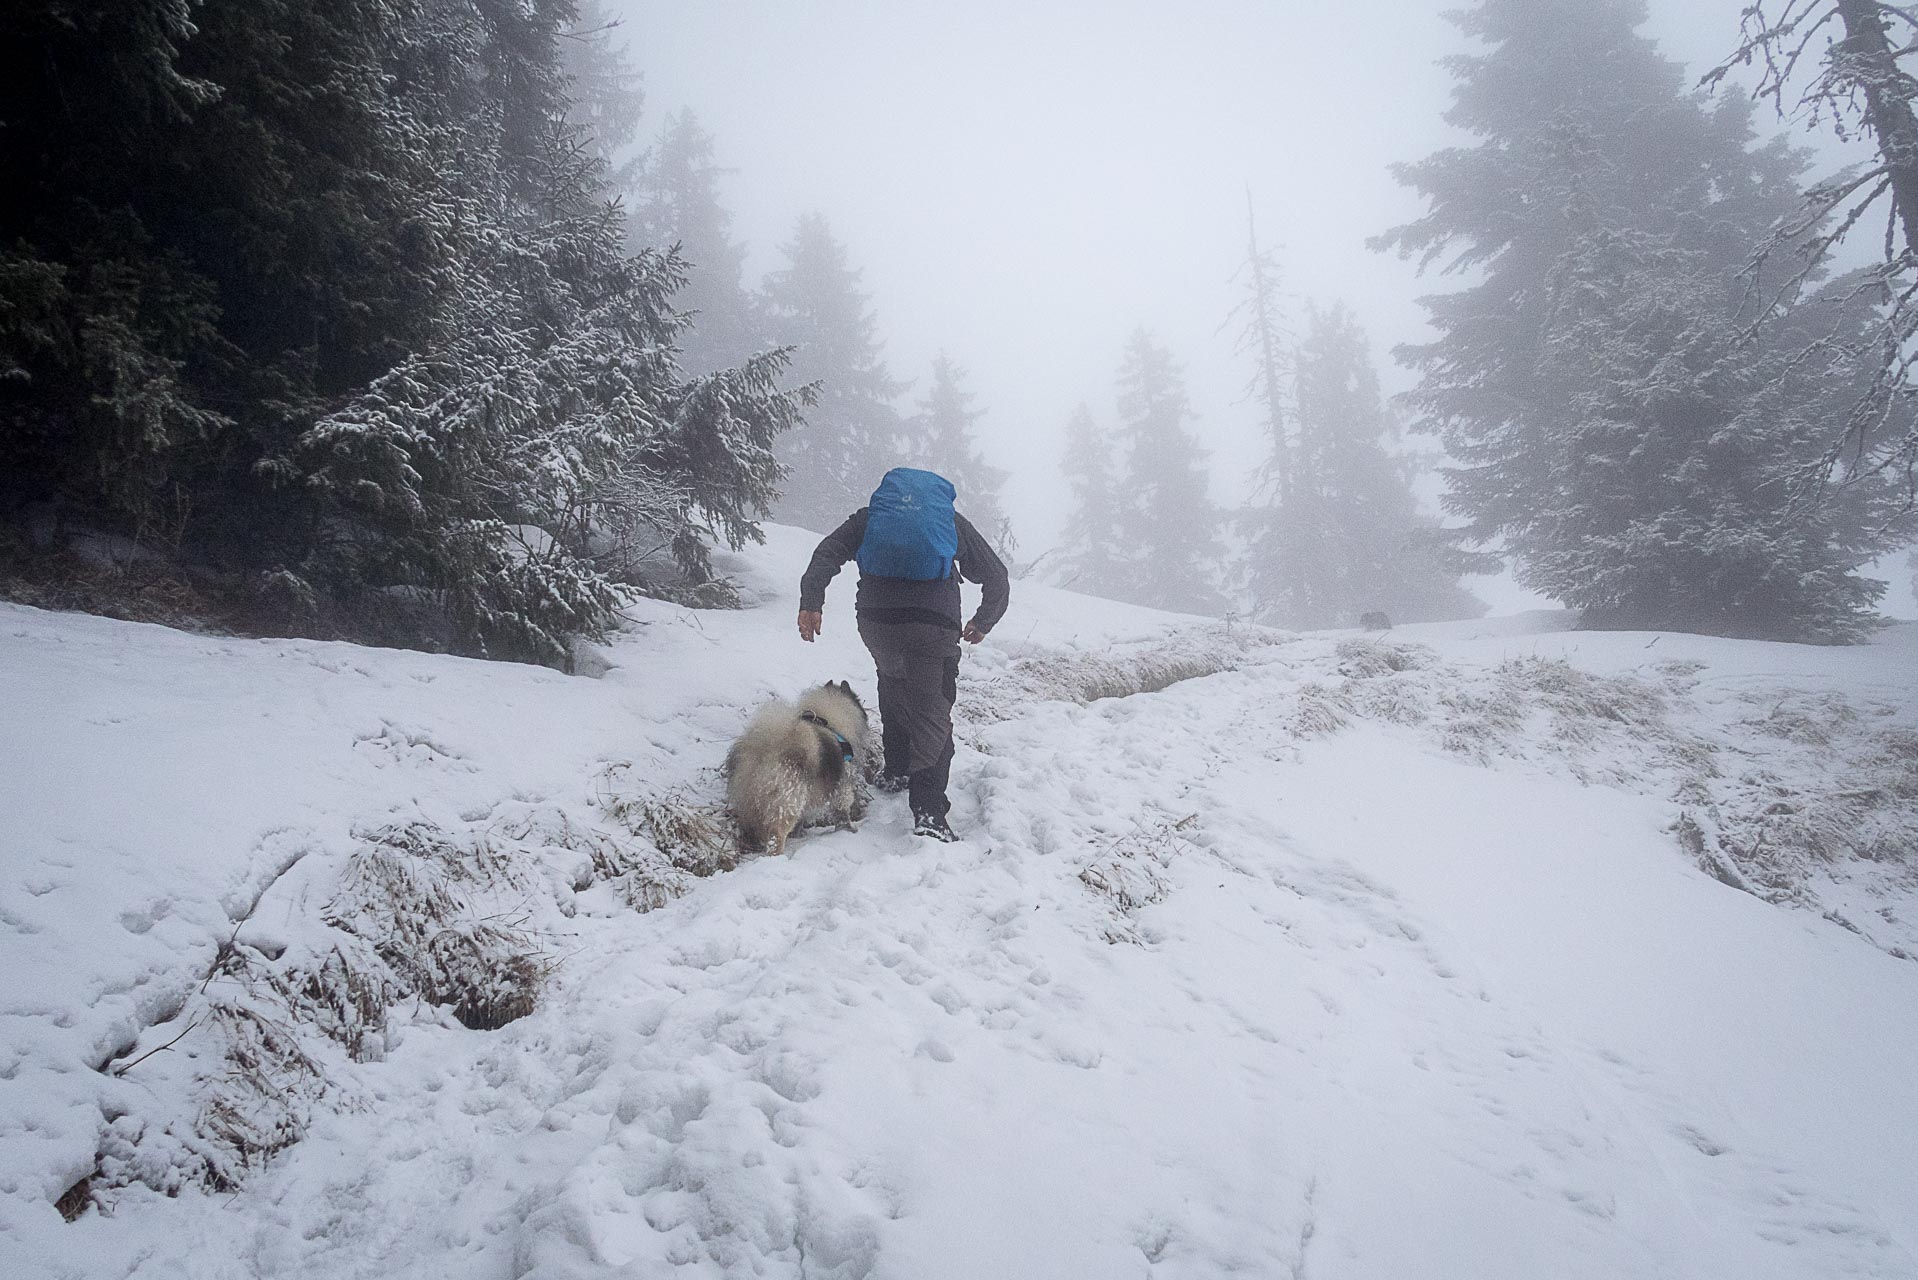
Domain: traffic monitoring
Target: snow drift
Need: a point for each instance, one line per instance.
(1478, 950)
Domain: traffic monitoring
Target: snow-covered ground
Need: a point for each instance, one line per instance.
(1404, 956)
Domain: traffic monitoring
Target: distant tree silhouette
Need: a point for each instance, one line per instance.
(1168, 526)
(850, 436)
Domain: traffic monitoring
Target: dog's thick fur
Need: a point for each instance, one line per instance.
(786, 770)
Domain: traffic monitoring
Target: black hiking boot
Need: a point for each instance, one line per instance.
(892, 783)
(935, 826)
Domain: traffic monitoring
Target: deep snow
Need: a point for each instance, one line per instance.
(1385, 961)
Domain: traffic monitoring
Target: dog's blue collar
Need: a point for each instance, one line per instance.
(845, 748)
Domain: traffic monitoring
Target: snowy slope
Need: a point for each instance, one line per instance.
(1366, 958)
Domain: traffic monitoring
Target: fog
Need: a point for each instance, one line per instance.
(1024, 185)
(342, 319)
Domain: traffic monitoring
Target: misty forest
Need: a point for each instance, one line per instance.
(1352, 710)
(410, 322)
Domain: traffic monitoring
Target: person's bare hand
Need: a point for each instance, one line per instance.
(811, 623)
(972, 634)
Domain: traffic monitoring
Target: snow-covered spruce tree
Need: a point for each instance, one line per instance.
(605, 99)
(1611, 424)
(851, 435)
(325, 292)
(1090, 551)
(200, 242)
(474, 472)
(1346, 537)
(939, 438)
(1168, 528)
(605, 94)
(675, 202)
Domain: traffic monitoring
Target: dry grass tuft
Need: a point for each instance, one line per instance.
(1798, 797)
(1361, 659)
(1849, 797)
(680, 838)
(1393, 701)
(696, 836)
(345, 993)
(255, 1101)
(1129, 874)
(1322, 710)
(1118, 672)
(262, 1103)
(417, 914)
(406, 893)
(75, 1200)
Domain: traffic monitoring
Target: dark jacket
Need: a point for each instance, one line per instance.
(908, 599)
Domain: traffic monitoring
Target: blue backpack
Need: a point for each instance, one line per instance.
(910, 528)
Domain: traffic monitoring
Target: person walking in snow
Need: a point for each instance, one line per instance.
(912, 547)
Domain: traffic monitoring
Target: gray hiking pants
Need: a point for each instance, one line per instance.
(918, 681)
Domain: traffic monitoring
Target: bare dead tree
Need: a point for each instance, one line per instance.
(1264, 337)
(1841, 65)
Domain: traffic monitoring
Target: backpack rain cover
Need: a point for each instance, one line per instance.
(910, 528)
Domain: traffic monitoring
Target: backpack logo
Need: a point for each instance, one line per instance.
(911, 530)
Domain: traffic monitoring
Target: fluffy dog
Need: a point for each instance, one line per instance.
(800, 764)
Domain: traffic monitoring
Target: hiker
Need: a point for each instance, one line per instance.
(908, 542)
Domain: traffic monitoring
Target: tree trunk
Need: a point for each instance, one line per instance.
(1887, 106)
(1270, 387)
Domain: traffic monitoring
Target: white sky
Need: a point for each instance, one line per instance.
(1025, 183)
